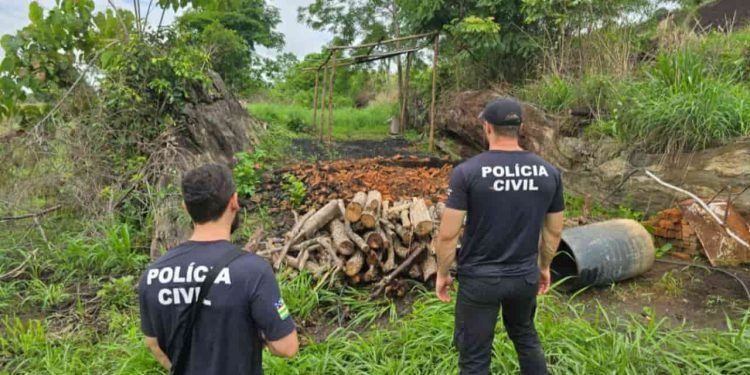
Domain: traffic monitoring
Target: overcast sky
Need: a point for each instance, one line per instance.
(300, 39)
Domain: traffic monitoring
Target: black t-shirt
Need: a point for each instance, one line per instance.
(506, 195)
(243, 305)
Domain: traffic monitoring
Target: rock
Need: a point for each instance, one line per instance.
(602, 168)
(211, 129)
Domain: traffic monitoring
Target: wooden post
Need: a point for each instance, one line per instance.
(330, 97)
(434, 82)
(323, 101)
(405, 102)
(315, 100)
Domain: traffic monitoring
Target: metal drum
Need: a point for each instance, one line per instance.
(602, 253)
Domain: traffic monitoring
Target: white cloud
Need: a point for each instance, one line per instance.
(299, 38)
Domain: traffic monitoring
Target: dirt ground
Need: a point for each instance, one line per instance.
(725, 14)
(309, 148)
(689, 295)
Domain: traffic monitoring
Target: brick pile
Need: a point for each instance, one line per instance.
(671, 227)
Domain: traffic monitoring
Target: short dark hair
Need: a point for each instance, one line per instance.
(206, 191)
(506, 131)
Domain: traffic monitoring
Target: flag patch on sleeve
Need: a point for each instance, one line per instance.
(282, 309)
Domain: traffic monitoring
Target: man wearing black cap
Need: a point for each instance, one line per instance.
(512, 200)
(208, 307)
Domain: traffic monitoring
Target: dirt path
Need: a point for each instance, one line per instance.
(697, 297)
(358, 149)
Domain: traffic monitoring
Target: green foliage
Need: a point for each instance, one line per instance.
(348, 123)
(118, 292)
(45, 295)
(114, 254)
(681, 104)
(248, 171)
(294, 189)
(252, 20)
(574, 207)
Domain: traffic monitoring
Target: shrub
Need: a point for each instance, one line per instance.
(248, 171)
(118, 293)
(294, 189)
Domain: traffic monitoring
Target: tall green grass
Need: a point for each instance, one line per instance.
(577, 340)
(688, 98)
(683, 104)
(348, 123)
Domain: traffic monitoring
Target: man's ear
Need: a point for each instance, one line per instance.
(234, 202)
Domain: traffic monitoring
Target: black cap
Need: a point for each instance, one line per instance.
(502, 112)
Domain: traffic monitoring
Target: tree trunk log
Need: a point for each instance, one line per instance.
(355, 207)
(429, 267)
(354, 264)
(342, 242)
(420, 218)
(371, 213)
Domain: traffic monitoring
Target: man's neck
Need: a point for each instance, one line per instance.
(505, 144)
(212, 231)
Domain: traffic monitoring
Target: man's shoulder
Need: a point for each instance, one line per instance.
(538, 159)
(252, 262)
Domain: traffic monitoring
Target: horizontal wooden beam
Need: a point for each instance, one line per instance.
(401, 39)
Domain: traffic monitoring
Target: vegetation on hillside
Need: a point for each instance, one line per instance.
(89, 101)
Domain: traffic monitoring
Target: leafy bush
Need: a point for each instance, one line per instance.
(248, 171)
(294, 189)
(296, 124)
(118, 292)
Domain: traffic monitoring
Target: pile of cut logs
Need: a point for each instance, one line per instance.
(368, 240)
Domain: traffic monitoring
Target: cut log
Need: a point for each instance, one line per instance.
(328, 246)
(397, 209)
(372, 274)
(415, 272)
(315, 221)
(404, 234)
(374, 240)
(354, 264)
(320, 219)
(420, 218)
(341, 241)
(371, 213)
(372, 258)
(356, 206)
(429, 267)
(401, 250)
(390, 262)
(405, 222)
(359, 241)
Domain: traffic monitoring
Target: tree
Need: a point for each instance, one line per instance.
(359, 20)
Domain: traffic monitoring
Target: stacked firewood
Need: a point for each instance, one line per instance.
(368, 240)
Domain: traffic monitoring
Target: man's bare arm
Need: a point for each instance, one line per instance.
(551, 234)
(447, 239)
(153, 345)
(286, 347)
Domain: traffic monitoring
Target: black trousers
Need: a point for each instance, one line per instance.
(479, 301)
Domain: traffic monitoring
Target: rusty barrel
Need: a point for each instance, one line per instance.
(602, 253)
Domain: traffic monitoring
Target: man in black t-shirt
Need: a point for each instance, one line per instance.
(243, 310)
(512, 201)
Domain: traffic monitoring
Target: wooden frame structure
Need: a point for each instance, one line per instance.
(331, 62)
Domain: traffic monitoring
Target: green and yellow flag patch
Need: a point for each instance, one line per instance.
(282, 309)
